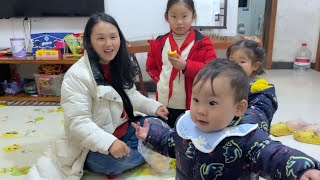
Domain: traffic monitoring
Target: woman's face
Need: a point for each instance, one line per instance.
(105, 40)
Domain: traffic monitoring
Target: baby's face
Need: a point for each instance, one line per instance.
(241, 57)
(212, 104)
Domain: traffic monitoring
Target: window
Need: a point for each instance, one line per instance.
(243, 3)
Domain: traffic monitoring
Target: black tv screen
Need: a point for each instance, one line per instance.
(49, 8)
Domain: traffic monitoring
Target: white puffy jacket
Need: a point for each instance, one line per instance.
(91, 113)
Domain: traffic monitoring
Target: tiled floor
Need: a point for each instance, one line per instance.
(298, 95)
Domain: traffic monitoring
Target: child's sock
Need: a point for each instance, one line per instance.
(111, 176)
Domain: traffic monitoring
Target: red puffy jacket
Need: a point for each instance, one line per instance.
(201, 53)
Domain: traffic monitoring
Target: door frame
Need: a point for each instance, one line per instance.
(269, 29)
(317, 65)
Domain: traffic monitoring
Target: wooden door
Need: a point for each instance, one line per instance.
(268, 30)
(317, 67)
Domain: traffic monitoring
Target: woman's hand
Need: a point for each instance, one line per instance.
(141, 132)
(118, 149)
(177, 62)
(163, 112)
(311, 174)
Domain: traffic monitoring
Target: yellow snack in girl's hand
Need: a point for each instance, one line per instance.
(173, 53)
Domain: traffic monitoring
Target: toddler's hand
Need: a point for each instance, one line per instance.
(163, 112)
(311, 174)
(141, 132)
(118, 149)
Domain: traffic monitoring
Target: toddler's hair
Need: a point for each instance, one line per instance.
(255, 52)
(188, 3)
(229, 69)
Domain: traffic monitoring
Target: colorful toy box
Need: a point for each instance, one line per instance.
(75, 43)
(46, 40)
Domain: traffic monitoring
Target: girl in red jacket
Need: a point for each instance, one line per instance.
(176, 57)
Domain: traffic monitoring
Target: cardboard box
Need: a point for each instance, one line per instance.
(46, 40)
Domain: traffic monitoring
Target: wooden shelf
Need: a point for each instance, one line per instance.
(27, 97)
(33, 60)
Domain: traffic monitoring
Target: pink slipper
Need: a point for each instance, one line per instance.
(314, 127)
(297, 124)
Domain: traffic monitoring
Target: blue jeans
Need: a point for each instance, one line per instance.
(107, 164)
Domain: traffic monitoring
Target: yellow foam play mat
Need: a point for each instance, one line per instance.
(25, 132)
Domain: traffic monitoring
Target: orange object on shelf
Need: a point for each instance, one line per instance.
(47, 54)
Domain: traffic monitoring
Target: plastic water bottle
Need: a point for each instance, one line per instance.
(302, 60)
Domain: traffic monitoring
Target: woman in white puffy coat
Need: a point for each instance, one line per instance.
(98, 97)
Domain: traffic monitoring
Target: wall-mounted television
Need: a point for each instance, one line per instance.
(49, 8)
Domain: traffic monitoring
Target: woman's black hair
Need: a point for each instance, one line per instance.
(189, 4)
(254, 51)
(121, 67)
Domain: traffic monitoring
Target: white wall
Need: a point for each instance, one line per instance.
(14, 27)
(139, 19)
(148, 20)
(297, 21)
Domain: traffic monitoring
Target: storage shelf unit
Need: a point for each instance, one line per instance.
(32, 60)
